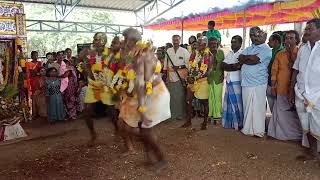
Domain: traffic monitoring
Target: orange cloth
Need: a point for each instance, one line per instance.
(31, 78)
(281, 73)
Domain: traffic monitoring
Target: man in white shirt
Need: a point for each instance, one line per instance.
(179, 61)
(307, 86)
(232, 107)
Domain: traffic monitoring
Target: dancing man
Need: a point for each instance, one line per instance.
(147, 104)
(99, 69)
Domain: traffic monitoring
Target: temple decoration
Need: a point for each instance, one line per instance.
(13, 42)
(13, 48)
(238, 17)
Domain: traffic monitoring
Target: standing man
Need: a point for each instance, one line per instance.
(254, 79)
(307, 88)
(177, 62)
(275, 43)
(215, 80)
(284, 124)
(232, 107)
(95, 62)
(213, 32)
(198, 82)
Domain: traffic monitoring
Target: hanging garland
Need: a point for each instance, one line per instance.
(123, 80)
(98, 64)
(198, 63)
(7, 63)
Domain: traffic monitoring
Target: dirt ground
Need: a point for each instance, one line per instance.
(216, 153)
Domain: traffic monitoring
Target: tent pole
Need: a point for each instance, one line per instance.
(182, 31)
(244, 29)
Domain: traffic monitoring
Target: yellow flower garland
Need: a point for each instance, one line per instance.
(98, 66)
(142, 109)
(148, 88)
(117, 56)
(131, 74)
(158, 67)
(144, 45)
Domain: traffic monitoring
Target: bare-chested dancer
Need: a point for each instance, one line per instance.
(149, 103)
(98, 62)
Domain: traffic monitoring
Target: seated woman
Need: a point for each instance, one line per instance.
(197, 81)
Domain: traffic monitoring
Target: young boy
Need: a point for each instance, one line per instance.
(213, 32)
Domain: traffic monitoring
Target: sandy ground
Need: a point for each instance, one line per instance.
(216, 153)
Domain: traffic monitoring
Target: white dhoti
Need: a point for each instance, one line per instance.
(310, 122)
(254, 109)
(157, 108)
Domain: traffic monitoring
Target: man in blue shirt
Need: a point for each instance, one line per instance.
(254, 79)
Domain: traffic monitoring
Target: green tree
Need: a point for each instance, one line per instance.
(44, 42)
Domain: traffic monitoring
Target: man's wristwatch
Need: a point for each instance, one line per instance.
(181, 67)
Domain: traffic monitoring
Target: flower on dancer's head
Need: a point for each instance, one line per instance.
(92, 59)
(207, 51)
(131, 74)
(194, 64)
(96, 67)
(113, 67)
(204, 67)
(124, 85)
(144, 45)
(117, 56)
(149, 88)
(206, 61)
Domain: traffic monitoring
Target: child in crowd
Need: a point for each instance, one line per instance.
(56, 109)
(212, 32)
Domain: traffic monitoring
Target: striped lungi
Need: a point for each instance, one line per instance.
(232, 106)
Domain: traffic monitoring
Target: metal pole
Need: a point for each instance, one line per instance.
(244, 29)
(182, 30)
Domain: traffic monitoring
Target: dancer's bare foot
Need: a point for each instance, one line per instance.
(93, 139)
(128, 153)
(186, 125)
(148, 160)
(160, 165)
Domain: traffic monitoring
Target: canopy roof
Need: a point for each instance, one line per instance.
(122, 5)
(256, 15)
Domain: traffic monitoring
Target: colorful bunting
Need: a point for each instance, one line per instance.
(255, 15)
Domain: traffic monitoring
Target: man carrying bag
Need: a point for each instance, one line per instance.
(175, 66)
